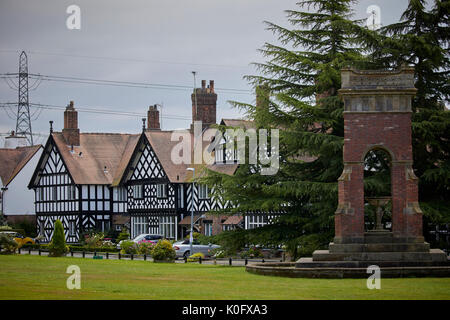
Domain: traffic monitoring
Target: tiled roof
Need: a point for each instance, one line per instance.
(239, 123)
(233, 220)
(99, 159)
(163, 146)
(13, 160)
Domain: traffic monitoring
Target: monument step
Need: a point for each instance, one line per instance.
(309, 263)
(431, 255)
(379, 247)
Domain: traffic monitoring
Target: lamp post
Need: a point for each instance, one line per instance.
(191, 237)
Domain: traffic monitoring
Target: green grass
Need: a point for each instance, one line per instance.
(34, 277)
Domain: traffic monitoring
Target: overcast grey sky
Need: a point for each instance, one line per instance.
(140, 41)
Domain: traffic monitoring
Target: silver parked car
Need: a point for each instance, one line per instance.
(182, 248)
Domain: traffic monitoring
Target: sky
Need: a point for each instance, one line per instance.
(148, 41)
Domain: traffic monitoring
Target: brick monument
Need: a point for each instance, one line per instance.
(377, 116)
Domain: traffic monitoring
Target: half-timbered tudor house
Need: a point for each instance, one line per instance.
(161, 194)
(72, 180)
(95, 181)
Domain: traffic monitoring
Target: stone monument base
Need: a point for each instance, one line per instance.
(395, 257)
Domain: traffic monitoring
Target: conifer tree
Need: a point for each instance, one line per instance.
(422, 39)
(297, 92)
(57, 246)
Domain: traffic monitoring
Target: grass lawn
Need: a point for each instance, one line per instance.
(34, 277)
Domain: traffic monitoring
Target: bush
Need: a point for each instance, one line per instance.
(163, 251)
(124, 235)
(57, 246)
(5, 228)
(29, 228)
(253, 252)
(8, 245)
(94, 240)
(128, 247)
(145, 248)
(195, 257)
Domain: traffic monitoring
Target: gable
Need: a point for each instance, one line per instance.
(50, 164)
(145, 163)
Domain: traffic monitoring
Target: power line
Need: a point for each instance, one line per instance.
(95, 110)
(68, 79)
(127, 59)
(129, 83)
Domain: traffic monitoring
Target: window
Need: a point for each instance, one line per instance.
(54, 194)
(203, 191)
(161, 191)
(181, 196)
(137, 191)
(72, 228)
(140, 225)
(71, 193)
(253, 222)
(167, 227)
(121, 194)
(40, 192)
(208, 228)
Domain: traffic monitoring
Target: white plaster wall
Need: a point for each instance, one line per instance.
(18, 199)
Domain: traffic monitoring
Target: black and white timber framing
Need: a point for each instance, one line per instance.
(80, 208)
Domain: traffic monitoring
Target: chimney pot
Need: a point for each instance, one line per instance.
(211, 85)
(203, 84)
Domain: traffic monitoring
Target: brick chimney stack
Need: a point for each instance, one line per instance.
(71, 133)
(153, 118)
(206, 104)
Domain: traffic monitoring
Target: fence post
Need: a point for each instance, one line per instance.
(71, 252)
(145, 257)
(19, 250)
(131, 256)
(246, 261)
(185, 259)
(107, 255)
(200, 260)
(39, 251)
(119, 255)
(263, 260)
(95, 253)
(230, 261)
(84, 254)
(29, 250)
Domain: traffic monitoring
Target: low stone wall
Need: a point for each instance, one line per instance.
(289, 270)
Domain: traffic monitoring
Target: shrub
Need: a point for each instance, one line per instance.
(57, 246)
(163, 251)
(128, 247)
(5, 228)
(195, 257)
(29, 228)
(124, 235)
(94, 240)
(145, 248)
(7, 244)
(253, 252)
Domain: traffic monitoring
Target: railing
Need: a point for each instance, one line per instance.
(144, 257)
